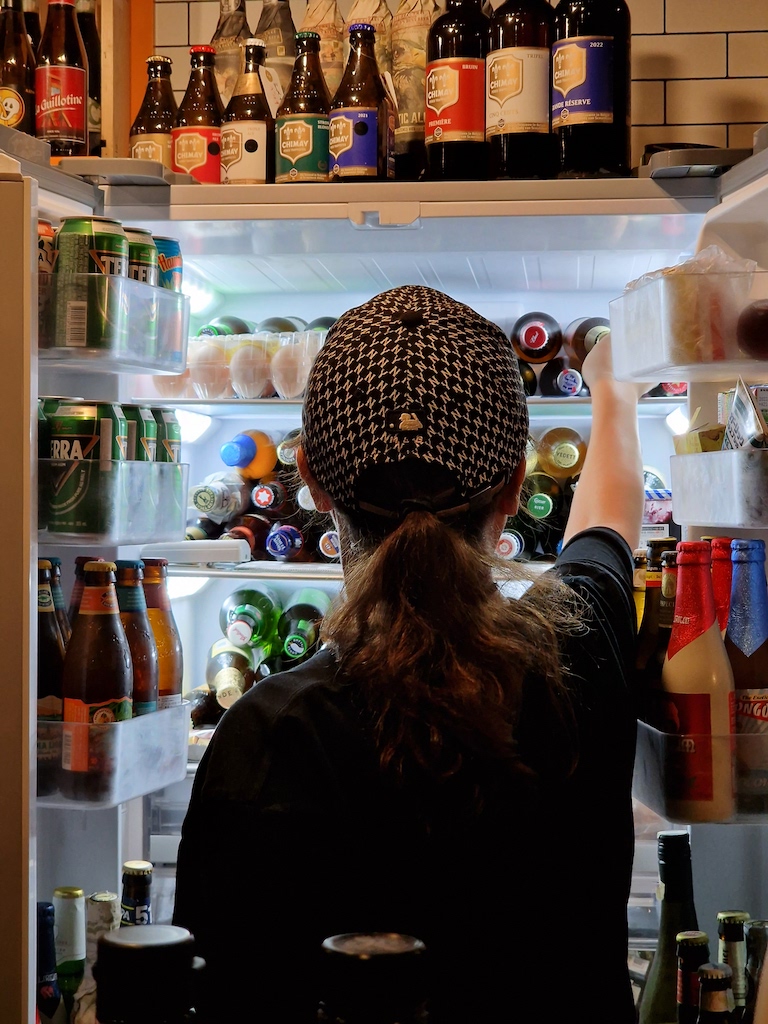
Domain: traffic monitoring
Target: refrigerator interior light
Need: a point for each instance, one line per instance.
(193, 425)
(185, 586)
(201, 297)
(677, 422)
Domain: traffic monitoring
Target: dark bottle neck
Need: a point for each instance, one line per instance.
(158, 72)
(12, 5)
(467, 5)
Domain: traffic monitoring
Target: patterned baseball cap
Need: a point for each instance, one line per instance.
(414, 374)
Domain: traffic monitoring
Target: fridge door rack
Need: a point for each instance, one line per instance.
(134, 757)
(102, 323)
(91, 502)
(721, 489)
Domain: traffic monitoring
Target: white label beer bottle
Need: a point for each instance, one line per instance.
(698, 692)
(151, 131)
(61, 83)
(248, 128)
(517, 101)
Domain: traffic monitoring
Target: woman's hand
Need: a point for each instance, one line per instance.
(598, 367)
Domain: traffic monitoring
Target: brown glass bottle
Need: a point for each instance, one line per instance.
(362, 136)
(248, 128)
(228, 38)
(160, 614)
(692, 952)
(136, 900)
(517, 97)
(150, 137)
(32, 21)
(303, 118)
(89, 30)
(50, 666)
(536, 337)
(77, 587)
(17, 70)
(454, 120)
(230, 670)
(141, 639)
(591, 62)
(96, 684)
(558, 379)
(196, 136)
(652, 636)
(61, 83)
(58, 601)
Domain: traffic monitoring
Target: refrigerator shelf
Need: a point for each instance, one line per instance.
(90, 502)
(721, 489)
(684, 327)
(134, 757)
(100, 323)
(261, 570)
(658, 760)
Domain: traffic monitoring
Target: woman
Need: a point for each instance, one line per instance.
(454, 764)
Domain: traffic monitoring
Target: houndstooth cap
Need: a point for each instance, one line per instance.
(412, 373)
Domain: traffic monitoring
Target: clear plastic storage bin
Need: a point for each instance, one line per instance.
(722, 489)
(683, 327)
(91, 502)
(126, 759)
(97, 322)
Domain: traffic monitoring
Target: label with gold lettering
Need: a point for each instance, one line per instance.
(582, 81)
(354, 142)
(455, 100)
(155, 146)
(244, 153)
(197, 151)
(517, 90)
(301, 150)
(61, 103)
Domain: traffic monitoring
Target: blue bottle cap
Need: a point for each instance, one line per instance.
(361, 25)
(238, 452)
(282, 541)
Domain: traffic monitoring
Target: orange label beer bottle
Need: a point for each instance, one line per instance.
(169, 653)
(138, 631)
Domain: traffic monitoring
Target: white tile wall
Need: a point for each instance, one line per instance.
(699, 67)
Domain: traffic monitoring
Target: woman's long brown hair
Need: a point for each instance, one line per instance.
(447, 667)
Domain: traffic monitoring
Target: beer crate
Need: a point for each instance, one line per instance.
(112, 502)
(683, 326)
(126, 759)
(102, 323)
(725, 489)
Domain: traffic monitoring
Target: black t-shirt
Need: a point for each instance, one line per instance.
(292, 835)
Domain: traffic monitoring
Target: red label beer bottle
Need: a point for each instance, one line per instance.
(196, 136)
(61, 83)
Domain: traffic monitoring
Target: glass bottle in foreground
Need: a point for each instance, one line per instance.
(69, 931)
(61, 83)
(17, 70)
(692, 952)
(136, 899)
(152, 128)
(170, 658)
(49, 1000)
(50, 669)
(303, 119)
(715, 995)
(248, 128)
(138, 632)
(732, 950)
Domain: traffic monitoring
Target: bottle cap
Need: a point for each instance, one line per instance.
(569, 381)
(509, 545)
(129, 563)
(693, 552)
(716, 976)
(307, 35)
(44, 563)
(362, 26)
(239, 451)
(669, 559)
(540, 505)
(159, 58)
(154, 562)
(137, 867)
(382, 970)
(752, 550)
(282, 540)
(720, 547)
(674, 848)
(329, 544)
(305, 500)
(100, 566)
(205, 48)
(692, 938)
(254, 41)
(68, 892)
(266, 496)
(54, 561)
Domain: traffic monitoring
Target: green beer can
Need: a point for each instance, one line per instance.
(88, 448)
(142, 433)
(142, 256)
(91, 255)
(168, 435)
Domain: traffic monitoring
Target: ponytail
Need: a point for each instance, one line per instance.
(445, 665)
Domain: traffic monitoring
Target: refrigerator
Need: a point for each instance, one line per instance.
(567, 248)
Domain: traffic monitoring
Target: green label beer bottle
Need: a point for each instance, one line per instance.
(302, 126)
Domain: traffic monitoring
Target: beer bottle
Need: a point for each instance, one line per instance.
(454, 121)
(250, 615)
(757, 942)
(529, 378)
(591, 87)
(287, 543)
(361, 142)
(410, 29)
(715, 996)
(746, 643)
(377, 14)
(324, 18)
(286, 449)
(32, 21)
(61, 83)
(102, 914)
(196, 135)
(128, 957)
(89, 30)
(558, 379)
(152, 128)
(302, 126)
(580, 337)
(50, 667)
(248, 128)
(170, 661)
(17, 70)
(536, 337)
(561, 452)
(517, 96)
(544, 496)
(697, 683)
(732, 950)
(252, 453)
(251, 528)
(231, 670)
(228, 38)
(328, 547)
(374, 976)
(69, 933)
(58, 600)
(299, 625)
(141, 640)
(638, 582)
(221, 496)
(203, 528)
(136, 902)
(49, 1001)
(278, 31)
(658, 1004)
(76, 593)
(692, 952)
(648, 674)
(96, 682)
(722, 575)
